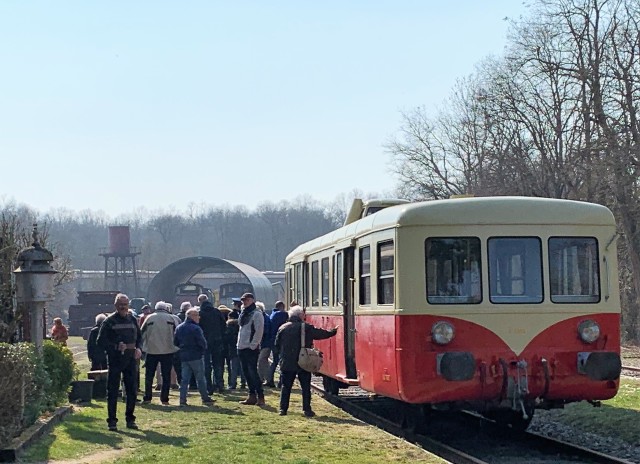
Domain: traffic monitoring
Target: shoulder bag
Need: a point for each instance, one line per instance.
(309, 359)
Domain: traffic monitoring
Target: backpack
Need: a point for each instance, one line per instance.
(309, 359)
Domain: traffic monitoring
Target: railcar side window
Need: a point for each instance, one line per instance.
(385, 272)
(515, 270)
(299, 295)
(573, 270)
(365, 275)
(315, 284)
(453, 270)
(324, 269)
(338, 280)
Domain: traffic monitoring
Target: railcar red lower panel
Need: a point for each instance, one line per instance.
(396, 357)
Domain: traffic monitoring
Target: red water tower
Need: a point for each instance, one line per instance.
(120, 261)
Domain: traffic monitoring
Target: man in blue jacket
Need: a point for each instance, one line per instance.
(278, 317)
(193, 346)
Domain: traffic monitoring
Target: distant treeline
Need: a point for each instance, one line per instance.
(261, 238)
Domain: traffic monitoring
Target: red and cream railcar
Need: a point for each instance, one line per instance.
(501, 304)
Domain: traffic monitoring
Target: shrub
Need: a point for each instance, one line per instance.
(36, 394)
(31, 383)
(59, 365)
(22, 386)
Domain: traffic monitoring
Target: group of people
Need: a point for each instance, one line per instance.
(196, 344)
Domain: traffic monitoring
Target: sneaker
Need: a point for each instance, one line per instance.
(283, 412)
(182, 405)
(208, 401)
(231, 388)
(309, 413)
(270, 384)
(243, 387)
(175, 387)
(113, 428)
(146, 401)
(132, 425)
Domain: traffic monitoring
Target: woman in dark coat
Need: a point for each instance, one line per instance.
(288, 344)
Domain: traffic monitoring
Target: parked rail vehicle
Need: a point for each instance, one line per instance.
(232, 290)
(501, 305)
(189, 291)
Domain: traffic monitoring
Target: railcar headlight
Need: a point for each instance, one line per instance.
(589, 331)
(442, 332)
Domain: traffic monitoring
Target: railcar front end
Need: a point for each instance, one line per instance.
(503, 305)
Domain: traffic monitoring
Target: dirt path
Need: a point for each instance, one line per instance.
(100, 456)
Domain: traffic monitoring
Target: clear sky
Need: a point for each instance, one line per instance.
(117, 105)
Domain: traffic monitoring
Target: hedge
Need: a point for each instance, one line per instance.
(31, 383)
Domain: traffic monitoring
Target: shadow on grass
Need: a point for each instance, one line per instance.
(156, 438)
(337, 420)
(92, 405)
(214, 408)
(82, 429)
(270, 408)
(90, 429)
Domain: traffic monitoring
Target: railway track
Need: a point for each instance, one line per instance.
(631, 371)
(463, 438)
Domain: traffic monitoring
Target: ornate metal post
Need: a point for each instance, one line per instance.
(34, 284)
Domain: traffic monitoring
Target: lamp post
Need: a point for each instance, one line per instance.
(34, 284)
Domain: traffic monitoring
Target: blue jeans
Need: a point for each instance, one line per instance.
(234, 371)
(197, 368)
(249, 363)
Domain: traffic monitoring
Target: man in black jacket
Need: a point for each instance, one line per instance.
(213, 325)
(121, 338)
(288, 344)
(97, 355)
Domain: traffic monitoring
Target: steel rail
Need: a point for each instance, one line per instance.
(631, 368)
(427, 444)
(546, 445)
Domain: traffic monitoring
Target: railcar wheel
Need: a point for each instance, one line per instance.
(414, 418)
(512, 419)
(330, 385)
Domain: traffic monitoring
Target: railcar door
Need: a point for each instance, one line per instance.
(348, 290)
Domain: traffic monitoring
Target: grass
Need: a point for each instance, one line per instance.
(232, 433)
(227, 432)
(618, 417)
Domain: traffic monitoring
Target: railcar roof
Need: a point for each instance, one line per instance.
(469, 211)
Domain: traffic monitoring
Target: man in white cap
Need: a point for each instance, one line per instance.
(157, 341)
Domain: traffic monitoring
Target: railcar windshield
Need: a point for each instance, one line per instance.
(515, 270)
(573, 270)
(453, 270)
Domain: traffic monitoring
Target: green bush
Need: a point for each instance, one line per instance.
(36, 393)
(22, 388)
(59, 365)
(31, 383)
